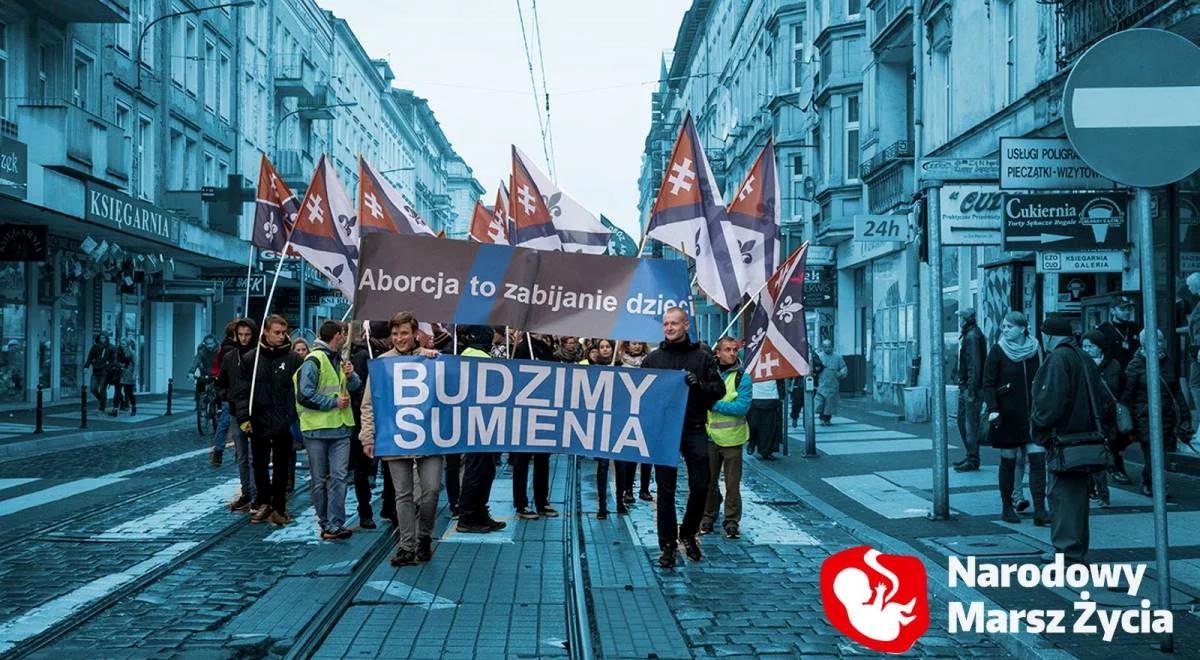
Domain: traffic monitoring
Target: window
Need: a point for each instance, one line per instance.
(177, 155)
(3, 71)
(178, 54)
(191, 43)
(224, 82)
(948, 95)
(222, 173)
(1010, 50)
(189, 160)
(48, 73)
(853, 8)
(145, 154)
(210, 75)
(146, 54)
(210, 169)
(798, 56)
(124, 40)
(851, 144)
(81, 80)
(121, 119)
(798, 194)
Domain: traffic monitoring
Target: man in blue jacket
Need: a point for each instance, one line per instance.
(728, 432)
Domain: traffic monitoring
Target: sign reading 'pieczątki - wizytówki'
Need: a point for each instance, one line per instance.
(553, 292)
(454, 405)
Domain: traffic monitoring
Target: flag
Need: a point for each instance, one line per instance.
(487, 226)
(620, 244)
(382, 208)
(441, 233)
(578, 230)
(501, 214)
(688, 215)
(326, 232)
(275, 207)
(754, 222)
(778, 346)
(533, 227)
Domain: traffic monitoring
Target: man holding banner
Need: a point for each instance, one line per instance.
(678, 352)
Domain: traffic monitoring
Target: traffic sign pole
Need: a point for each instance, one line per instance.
(937, 372)
(1154, 398)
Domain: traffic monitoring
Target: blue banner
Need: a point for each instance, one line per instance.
(454, 405)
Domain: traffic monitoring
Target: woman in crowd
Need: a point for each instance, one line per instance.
(632, 354)
(1176, 418)
(414, 519)
(605, 350)
(127, 381)
(1112, 378)
(1007, 391)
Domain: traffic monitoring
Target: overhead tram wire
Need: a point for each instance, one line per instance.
(533, 84)
(537, 31)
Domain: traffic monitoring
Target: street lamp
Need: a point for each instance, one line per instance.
(145, 30)
(297, 111)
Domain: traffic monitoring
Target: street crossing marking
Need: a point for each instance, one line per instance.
(398, 592)
(12, 483)
(51, 613)
(761, 524)
(173, 518)
(501, 500)
(1126, 530)
(306, 530)
(881, 496)
(159, 463)
(54, 494)
(877, 446)
(850, 436)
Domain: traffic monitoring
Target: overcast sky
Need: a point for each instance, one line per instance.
(466, 57)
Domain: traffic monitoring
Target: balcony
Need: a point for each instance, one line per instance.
(887, 16)
(294, 166)
(85, 11)
(64, 136)
(899, 150)
(296, 77)
(1082, 23)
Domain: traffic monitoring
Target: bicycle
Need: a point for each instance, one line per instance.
(207, 406)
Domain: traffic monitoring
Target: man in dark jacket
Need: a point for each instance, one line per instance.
(363, 467)
(704, 388)
(1061, 406)
(228, 376)
(1136, 396)
(266, 409)
(972, 351)
(531, 346)
(479, 468)
(1121, 331)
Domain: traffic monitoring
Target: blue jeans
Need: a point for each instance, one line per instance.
(328, 463)
(241, 447)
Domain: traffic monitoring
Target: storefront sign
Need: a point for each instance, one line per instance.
(881, 228)
(22, 242)
(134, 217)
(1066, 221)
(854, 253)
(959, 169)
(1098, 261)
(333, 301)
(236, 283)
(14, 166)
(820, 286)
(1046, 164)
(1073, 288)
(971, 215)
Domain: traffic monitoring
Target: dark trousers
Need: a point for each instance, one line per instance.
(361, 467)
(693, 447)
(541, 479)
(387, 505)
(453, 464)
(647, 470)
(968, 424)
(478, 475)
(123, 397)
(267, 449)
(625, 472)
(1069, 531)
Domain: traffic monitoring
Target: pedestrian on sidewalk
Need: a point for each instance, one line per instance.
(765, 418)
(266, 409)
(829, 382)
(1063, 390)
(101, 359)
(1008, 394)
(415, 518)
(530, 346)
(240, 334)
(1112, 378)
(1121, 330)
(479, 468)
(728, 430)
(1176, 418)
(124, 396)
(972, 351)
(796, 393)
(633, 353)
(704, 388)
(323, 385)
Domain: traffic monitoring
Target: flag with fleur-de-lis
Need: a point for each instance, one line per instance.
(275, 207)
(754, 221)
(777, 346)
(326, 232)
(533, 226)
(578, 230)
(382, 208)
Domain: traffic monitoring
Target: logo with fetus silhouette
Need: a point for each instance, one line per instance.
(880, 601)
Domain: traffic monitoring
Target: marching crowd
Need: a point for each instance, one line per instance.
(277, 394)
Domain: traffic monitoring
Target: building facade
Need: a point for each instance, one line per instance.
(130, 139)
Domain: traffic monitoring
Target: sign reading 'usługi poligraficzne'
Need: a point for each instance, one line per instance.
(454, 405)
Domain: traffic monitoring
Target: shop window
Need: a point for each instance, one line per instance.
(13, 342)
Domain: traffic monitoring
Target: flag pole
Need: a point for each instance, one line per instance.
(249, 266)
(743, 309)
(266, 313)
(367, 332)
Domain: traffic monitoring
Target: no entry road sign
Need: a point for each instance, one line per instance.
(1131, 107)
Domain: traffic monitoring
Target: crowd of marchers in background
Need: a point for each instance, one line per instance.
(278, 395)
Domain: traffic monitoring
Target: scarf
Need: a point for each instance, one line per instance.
(632, 360)
(572, 357)
(1019, 351)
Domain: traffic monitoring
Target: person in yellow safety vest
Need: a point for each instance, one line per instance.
(728, 431)
(322, 384)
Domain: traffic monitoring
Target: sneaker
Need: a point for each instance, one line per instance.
(968, 466)
(215, 458)
(666, 559)
(731, 531)
(454, 512)
(1023, 505)
(706, 527)
(278, 519)
(424, 548)
(344, 533)
(403, 558)
(525, 513)
(465, 527)
(261, 514)
(602, 514)
(628, 498)
(240, 505)
(327, 535)
(367, 523)
(691, 547)
(645, 496)
(1120, 477)
(622, 509)
(495, 525)
(1147, 490)
(548, 511)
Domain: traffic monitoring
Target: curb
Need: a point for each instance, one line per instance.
(1026, 646)
(39, 446)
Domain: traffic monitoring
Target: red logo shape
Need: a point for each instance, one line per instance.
(880, 601)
